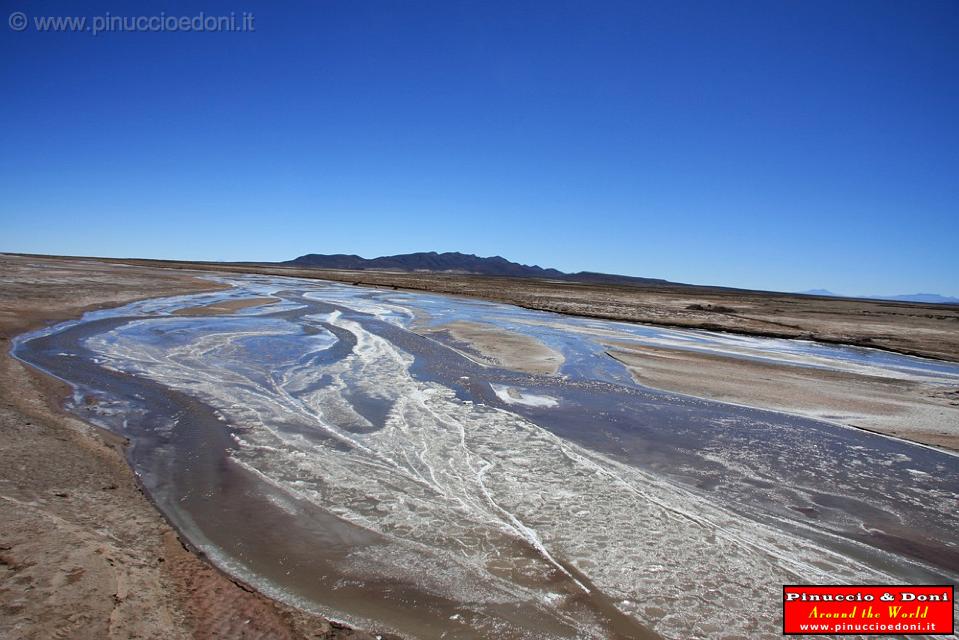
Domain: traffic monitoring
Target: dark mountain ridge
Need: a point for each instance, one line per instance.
(453, 262)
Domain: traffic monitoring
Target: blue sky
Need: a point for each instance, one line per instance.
(778, 145)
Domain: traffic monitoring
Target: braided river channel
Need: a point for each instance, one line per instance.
(336, 449)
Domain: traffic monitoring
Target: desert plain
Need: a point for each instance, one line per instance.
(83, 552)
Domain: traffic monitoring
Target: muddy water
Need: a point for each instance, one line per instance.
(325, 453)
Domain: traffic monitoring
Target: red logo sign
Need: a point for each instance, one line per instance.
(865, 610)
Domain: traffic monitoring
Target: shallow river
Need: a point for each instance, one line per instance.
(322, 451)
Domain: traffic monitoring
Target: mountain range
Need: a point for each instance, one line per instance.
(455, 262)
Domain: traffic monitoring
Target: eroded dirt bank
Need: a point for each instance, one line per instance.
(927, 330)
(83, 553)
(912, 410)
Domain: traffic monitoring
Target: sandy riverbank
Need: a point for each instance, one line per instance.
(913, 410)
(83, 553)
(220, 308)
(491, 345)
(927, 330)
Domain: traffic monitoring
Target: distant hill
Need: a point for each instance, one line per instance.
(931, 298)
(432, 261)
(934, 298)
(455, 262)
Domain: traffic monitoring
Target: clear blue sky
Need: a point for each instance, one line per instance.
(777, 144)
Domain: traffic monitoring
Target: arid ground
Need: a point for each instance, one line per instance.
(915, 411)
(927, 330)
(83, 554)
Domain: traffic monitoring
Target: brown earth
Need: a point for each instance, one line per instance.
(83, 553)
(927, 330)
(916, 329)
(914, 410)
(501, 348)
(229, 306)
